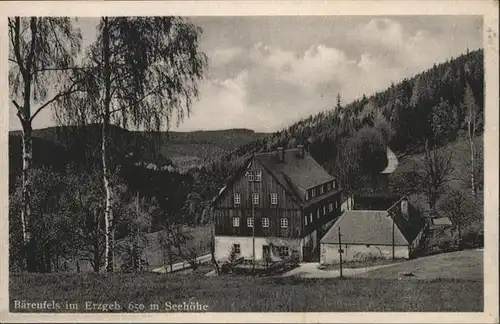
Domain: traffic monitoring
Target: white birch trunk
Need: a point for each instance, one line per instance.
(25, 118)
(26, 183)
(108, 212)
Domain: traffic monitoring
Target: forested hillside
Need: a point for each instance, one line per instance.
(350, 140)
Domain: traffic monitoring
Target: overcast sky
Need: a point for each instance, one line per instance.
(268, 72)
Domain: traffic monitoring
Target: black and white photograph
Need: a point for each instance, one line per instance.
(162, 163)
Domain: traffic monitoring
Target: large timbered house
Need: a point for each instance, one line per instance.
(278, 205)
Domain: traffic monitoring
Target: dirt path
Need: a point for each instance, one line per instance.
(310, 270)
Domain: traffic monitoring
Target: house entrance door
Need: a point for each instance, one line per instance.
(266, 252)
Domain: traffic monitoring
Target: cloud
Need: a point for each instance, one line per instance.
(266, 73)
(267, 87)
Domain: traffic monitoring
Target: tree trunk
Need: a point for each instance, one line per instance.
(25, 118)
(97, 252)
(472, 171)
(26, 193)
(108, 212)
(472, 131)
(212, 248)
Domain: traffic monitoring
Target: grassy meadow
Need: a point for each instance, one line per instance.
(250, 294)
(459, 265)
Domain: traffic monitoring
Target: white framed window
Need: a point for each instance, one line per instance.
(333, 184)
(237, 198)
(250, 176)
(236, 222)
(265, 222)
(328, 186)
(321, 190)
(317, 213)
(284, 222)
(255, 198)
(324, 210)
(307, 195)
(236, 248)
(284, 251)
(250, 222)
(305, 219)
(258, 176)
(274, 198)
(313, 192)
(311, 217)
(330, 206)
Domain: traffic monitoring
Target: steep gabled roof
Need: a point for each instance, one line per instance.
(297, 174)
(239, 172)
(365, 227)
(411, 226)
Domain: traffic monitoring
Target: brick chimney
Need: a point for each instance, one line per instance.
(300, 147)
(281, 154)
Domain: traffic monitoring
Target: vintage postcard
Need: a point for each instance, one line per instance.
(329, 161)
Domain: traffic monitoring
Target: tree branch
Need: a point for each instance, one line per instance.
(59, 69)
(136, 102)
(59, 95)
(20, 112)
(15, 40)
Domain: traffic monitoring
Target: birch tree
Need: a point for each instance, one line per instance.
(437, 169)
(473, 119)
(140, 73)
(41, 52)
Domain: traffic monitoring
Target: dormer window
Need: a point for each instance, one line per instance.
(333, 184)
(258, 176)
(313, 192)
(328, 186)
(321, 190)
(250, 176)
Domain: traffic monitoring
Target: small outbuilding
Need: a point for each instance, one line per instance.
(373, 234)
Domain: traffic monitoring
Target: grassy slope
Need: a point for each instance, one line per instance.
(153, 253)
(461, 156)
(191, 149)
(243, 294)
(459, 176)
(455, 265)
(201, 242)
